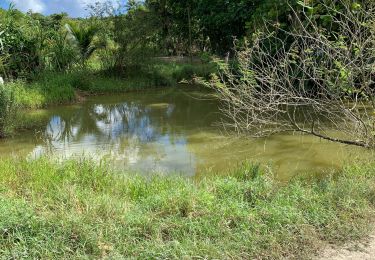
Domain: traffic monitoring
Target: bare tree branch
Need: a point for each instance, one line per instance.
(310, 78)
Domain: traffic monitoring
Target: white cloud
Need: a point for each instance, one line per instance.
(26, 5)
(75, 8)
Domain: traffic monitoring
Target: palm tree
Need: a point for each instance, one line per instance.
(83, 38)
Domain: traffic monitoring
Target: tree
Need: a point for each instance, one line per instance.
(133, 34)
(223, 20)
(31, 43)
(19, 52)
(178, 26)
(318, 79)
(194, 22)
(82, 36)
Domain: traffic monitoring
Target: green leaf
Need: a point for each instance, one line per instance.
(356, 6)
(305, 6)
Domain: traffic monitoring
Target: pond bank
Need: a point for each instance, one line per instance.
(59, 88)
(53, 88)
(77, 210)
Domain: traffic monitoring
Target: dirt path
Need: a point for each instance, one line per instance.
(364, 250)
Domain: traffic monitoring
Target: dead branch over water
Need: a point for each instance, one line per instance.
(312, 79)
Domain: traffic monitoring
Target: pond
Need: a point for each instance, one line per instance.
(169, 131)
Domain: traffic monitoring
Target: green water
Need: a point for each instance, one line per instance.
(168, 131)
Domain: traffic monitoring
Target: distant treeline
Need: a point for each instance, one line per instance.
(124, 35)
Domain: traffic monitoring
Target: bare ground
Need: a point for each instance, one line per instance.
(363, 250)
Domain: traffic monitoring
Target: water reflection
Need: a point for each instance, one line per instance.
(143, 136)
(167, 131)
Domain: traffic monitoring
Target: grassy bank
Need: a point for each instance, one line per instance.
(58, 88)
(77, 210)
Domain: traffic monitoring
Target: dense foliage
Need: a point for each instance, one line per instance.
(32, 43)
(130, 33)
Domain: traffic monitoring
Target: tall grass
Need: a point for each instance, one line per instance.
(7, 111)
(151, 75)
(78, 210)
(51, 88)
(46, 91)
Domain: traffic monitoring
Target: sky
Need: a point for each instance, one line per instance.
(75, 8)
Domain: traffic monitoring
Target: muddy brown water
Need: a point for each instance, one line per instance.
(170, 131)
